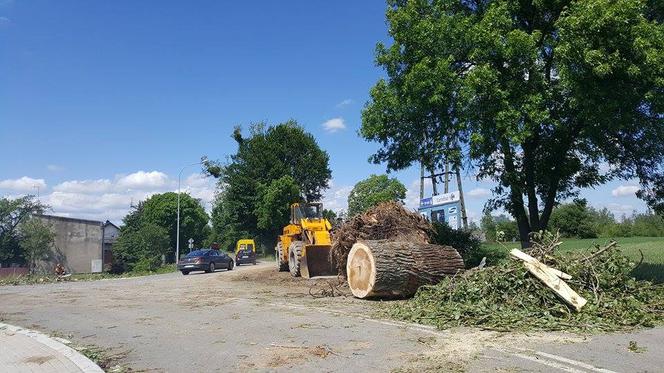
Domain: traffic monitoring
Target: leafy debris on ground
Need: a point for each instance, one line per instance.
(388, 220)
(329, 288)
(634, 347)
(507, 297)
(37, 279)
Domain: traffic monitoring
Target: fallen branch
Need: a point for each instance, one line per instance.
(552, 278)
(529, 259)
(607, 247)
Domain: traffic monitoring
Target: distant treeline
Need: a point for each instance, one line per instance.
(578, 220)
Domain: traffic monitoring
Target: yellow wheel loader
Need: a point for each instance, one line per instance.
(304, 247)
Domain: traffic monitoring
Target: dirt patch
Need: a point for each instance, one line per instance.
(454, 348)
(269, 281)
(278, 356)
(39, 360)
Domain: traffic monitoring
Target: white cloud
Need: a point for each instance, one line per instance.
(54, 168)
(334, 125)
(111, 198)
(84, 186)
(344, 103)
(625, 191)
(413, 193)
(479, 193)
(335, 197)
(200, 187)
(143, 180)
(23, 184)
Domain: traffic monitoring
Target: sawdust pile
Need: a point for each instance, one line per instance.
(388, 220)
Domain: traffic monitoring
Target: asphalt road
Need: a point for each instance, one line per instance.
(252, 318)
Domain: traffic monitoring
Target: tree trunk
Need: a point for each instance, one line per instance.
(524, 233)
(386, 268)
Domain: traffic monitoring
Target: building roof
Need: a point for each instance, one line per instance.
(109, 223)
(76, 220)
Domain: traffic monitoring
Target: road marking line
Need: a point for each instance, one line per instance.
(549, 363)
(574, 362)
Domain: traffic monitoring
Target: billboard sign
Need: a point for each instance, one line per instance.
(440, 199)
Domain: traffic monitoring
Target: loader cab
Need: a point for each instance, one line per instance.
(301, 211)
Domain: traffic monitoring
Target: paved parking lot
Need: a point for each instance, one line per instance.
(253, 318)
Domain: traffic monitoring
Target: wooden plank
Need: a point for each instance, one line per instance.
(559, 286)
(529, 259)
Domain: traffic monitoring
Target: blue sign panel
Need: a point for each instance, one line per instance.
(426, 202)
(443, 213)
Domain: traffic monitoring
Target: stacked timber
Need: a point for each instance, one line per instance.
(386, 268)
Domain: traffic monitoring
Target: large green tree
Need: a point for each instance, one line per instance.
(36, 241)
(372, 191)
(574, 219)
(273, 167)
(141, 246)
(13, 212)
(160, 211)
(537, 96)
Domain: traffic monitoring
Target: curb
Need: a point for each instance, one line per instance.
(83, 363)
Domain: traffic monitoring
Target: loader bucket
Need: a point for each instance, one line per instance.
(316, 261)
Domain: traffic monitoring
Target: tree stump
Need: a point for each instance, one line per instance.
(386, 268)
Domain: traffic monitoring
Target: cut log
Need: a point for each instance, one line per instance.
(386, 268)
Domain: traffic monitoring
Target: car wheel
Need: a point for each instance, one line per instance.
(254, 261)
(237, 263)
(230, 265)
(185, 272)
(211, 268)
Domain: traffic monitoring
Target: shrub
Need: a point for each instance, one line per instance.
(467, 244)
(147, 264)
(573, 220)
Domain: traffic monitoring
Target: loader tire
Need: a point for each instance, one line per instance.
(282, 266)
(294, 258)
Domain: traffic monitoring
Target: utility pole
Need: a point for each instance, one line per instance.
(447, 177)
(434, 183)
(177, 234)
(464, 217)
(421, 180)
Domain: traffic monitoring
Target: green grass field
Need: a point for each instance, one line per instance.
(652, 248)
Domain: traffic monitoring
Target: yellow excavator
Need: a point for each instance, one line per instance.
(304, 247)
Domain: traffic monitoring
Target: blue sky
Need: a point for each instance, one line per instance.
(102, 102)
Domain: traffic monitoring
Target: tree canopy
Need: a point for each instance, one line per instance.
(273, 167)
(36, 241)
(160, 211)
(13, 212)
(140, 248)
(574, 220)
(544, 98)
(372, 191)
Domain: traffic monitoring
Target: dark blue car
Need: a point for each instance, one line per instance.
(207, 260)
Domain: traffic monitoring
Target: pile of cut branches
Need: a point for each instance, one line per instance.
(388, 220)
(507, 297)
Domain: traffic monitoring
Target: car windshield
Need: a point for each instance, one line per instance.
(196, 253)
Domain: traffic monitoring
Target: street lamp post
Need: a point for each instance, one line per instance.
(177, 234)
